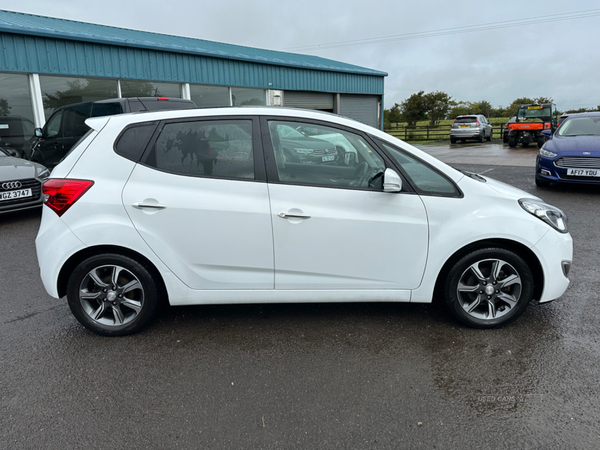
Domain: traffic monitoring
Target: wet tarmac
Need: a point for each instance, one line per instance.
(307, 376)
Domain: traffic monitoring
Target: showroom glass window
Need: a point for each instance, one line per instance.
(209, 96)
(220, 149)
(15, 99)
(16, 112)
(134, 88)
(248, 97)
(319, 155)
(60, 91)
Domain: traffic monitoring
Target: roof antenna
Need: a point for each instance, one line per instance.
(139, 99)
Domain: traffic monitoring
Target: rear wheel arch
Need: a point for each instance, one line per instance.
(515, 247)
(77, 258)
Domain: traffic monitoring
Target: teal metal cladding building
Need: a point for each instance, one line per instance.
(48, 61)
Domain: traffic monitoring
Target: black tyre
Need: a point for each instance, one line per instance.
(112, 295)
(540, 141)
(512, 141)
(453, 140)
(488, 288)
(489, 138)
(480, 138)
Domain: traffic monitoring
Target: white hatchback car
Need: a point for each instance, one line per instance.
(202, 207)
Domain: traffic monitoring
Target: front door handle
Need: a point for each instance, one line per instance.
(140, 205)
(284, 215)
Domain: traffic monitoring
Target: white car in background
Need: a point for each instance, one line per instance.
(154, 206)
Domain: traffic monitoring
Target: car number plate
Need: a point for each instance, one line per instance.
(464, 126)
(584, 172)
(11, 195)
(328, 158)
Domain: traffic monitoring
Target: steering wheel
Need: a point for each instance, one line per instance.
(359, 174)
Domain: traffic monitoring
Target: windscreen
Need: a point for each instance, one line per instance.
(580, 126)
(532, 112)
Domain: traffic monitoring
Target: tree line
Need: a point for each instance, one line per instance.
(437, 106)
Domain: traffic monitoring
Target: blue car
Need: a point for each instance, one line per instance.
(572, 154)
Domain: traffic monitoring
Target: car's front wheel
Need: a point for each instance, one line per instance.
(488, 288)
(112, 295)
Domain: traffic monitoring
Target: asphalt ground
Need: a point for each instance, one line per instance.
(307, 375)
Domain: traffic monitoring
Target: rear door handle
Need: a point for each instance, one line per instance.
(284, 215)
(141, 205)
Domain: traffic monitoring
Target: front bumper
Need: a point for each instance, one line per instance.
(555, 253)
(547, 171)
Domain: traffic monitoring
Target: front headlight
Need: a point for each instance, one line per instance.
(548, 213)
(546, 153)
(44, 174)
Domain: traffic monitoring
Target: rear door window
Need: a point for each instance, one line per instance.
(74, 120)
(205, 148)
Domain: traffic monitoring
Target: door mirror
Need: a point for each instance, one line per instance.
(391, 181)
(547, 133)
(38, 132)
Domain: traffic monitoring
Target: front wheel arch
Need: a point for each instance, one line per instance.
(515, 247)
(77, 258)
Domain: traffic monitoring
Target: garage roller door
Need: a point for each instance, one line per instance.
(308, 100)
(364, 108)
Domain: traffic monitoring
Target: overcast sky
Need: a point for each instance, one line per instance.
(427, 45)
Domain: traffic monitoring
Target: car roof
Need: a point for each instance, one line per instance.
(584, 114)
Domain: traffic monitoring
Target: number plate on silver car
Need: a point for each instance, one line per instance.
(11, 195)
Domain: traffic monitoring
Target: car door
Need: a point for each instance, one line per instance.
(200, 201)
(333, 226)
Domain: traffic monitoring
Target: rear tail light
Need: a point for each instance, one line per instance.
(546, 126)
(163, 98)
(477, 122)
(60, 195)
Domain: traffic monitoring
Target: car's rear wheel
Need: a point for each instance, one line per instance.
(488, 288)
(453, 140)
(112, 295)
(480, 138)
(512, 141)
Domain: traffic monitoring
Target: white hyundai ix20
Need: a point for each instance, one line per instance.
(260, 205)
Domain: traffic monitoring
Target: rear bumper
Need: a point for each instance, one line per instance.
(54, 243)
(465, 133)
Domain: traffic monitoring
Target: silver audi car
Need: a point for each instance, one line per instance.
(20, 182)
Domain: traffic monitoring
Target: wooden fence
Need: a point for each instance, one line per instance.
(434, 133)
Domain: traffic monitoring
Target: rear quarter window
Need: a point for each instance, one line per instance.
(133, 140)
